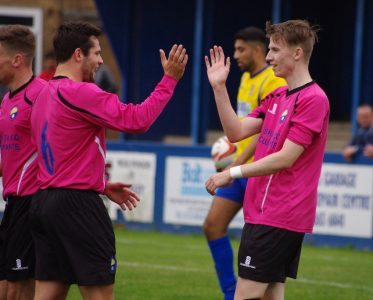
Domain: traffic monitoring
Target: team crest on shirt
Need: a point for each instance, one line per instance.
(284, 115)
(13, 112)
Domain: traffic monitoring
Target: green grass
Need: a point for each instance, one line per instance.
(154, 266)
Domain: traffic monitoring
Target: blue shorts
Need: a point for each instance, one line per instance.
(235, 191)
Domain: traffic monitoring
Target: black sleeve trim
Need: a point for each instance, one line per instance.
(68, 104)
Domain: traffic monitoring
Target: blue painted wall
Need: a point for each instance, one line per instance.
(137, 29)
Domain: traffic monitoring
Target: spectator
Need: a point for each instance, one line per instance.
(362, 140)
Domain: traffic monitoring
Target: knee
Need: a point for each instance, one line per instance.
(213, 229)
(208, 226)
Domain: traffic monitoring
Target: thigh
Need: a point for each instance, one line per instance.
(275, 291)
(3, 289)
(50, 290)
(102, 292)
(222, 211)
(249, 289)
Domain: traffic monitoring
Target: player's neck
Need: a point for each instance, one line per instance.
(258, 67)
(69, 71)
(298, 78)
(20, 78)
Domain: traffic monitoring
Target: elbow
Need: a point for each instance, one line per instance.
(233, 137)
(287, 164)
(141, 129)
(284, 163)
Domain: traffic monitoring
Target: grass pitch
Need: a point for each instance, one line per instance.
(159, 266)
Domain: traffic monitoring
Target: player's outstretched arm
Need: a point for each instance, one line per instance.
(217, 72)
(174, 65)
(121, 194)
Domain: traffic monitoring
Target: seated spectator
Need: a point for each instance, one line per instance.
(49, 66)
(362, 141)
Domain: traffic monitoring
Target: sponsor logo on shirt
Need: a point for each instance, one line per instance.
(13, 112)
(284, 115)
(19, 266)
(273, 109)
(247, 263)
(243, 108)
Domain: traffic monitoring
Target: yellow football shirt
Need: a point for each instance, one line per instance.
(254, 88)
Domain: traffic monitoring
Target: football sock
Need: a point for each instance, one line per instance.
(222, 253)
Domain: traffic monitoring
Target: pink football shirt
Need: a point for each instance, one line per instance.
(288, 199)
(18, 154)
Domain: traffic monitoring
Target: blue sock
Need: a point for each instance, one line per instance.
(222, 253)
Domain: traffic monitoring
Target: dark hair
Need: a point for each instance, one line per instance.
(252, 34)
(18, 38)
(295, 32)
(71, 36)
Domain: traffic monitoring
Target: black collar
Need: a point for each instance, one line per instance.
(59, 77)
(288, 93)
(12, 94)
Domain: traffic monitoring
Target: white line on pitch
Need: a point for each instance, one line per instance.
(300, 279)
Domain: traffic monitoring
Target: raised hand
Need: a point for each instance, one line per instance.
(174, 65)
(217, 67)
(121, 194)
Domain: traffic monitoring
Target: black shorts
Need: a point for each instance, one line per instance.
(269, 254)
(17, 256)
(73, 236)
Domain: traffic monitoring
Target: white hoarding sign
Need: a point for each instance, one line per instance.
(186, 199)
(138, 169)
(345, 201)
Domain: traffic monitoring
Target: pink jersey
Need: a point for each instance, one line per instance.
(68, 125)
(18, 154)
(288, 199)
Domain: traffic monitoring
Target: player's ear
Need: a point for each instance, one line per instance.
(17, 60)
(298, 53)
(78, 55)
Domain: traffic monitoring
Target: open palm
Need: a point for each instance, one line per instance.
(217, 67)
